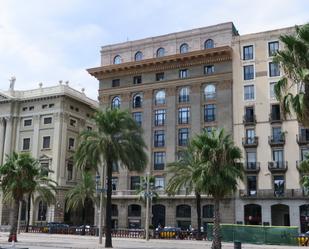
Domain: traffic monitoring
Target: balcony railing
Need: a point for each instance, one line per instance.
(275, 118)
(249, 142)
(278, 140)
(249, 119)
(278, 166)
(252, 167)
(302, 139)
(271, 194)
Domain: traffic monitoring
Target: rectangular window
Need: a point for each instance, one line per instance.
(275, 112)
(250, 136)
(159, 182)
(209, 69)
(273, 47)
(31, 108)
(159, 160)
(160, 117)
(89, 128)
(46, 142)
(137, 79)
(183, 136)
(114, 183)
(304, 153)
(277, 134)
(27, 122)
(249, 92)
(135, 182)
(279, 183)
(26, 144)
(210, 113)
(73, 122)
(44, 106)
(115, 82)
(249, 114)
(159, 138)
(47, 120)
(251, 159)
(183, 115)
(274, 69)
(248, 72)
(138, 117)
(248, 52)
(183, 73)
(70, 171)
(115, 167)
(251, 185)
(304, 134)
(51, 105)
(159, 76)
(71, 143)
(44, 168)
(272, 90)
(278, 158)
(25, 109)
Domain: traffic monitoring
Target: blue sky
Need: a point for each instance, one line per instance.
(51, 40)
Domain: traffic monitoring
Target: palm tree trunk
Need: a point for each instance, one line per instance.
(198, 211)
(108, 210)
(216, 243)
(28, 213)
(84, 219)
(14, 220)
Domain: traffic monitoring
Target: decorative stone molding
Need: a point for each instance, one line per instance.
(148, 94)
(171, 91)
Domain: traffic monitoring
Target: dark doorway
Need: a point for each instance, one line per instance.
(253, 214)
(280, 215)
(158, 215)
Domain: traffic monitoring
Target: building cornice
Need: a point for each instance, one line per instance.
(199, 57)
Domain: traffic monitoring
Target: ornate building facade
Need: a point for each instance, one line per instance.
(45, 122)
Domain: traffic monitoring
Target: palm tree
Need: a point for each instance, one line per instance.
(118, 138)
(221, 171)
(188, 173)
(45, 188)
(81, 195)
(294, 60)
(18, 178)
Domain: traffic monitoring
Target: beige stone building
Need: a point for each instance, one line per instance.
(174, 85)
(45, 122)
(272, 146)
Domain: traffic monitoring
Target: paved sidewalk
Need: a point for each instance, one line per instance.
(48, 241)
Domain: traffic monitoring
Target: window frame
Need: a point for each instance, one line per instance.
(251, 74)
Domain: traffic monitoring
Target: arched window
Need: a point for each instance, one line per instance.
(117, 59)
(138, 56)
(160, 97)
(114, 210)
(184, 48)
(208, 211)
(209, 44)
(137, 101)
(160, 52)
(42, 211)
(210, 92)
(116, 102)
(183, 211)
(184, 95)
(134, 210)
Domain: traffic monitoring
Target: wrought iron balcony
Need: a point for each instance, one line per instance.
(249, 119)
(252, 167)
(275, 118)
(302, 139)
(250, 142)
(278, 166)
(278, 140)
(271, 194)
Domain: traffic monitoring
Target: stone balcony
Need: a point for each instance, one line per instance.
(249, 120)
(276, 141)
(302, 139)
(252, 167)
(250, 142)
(278, 166)
(270, 194)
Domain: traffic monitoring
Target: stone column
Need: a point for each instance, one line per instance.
(57, 146)
(147, 125)
(294, 214)
(2, 127)
(266, 212)
(35, 138)
(195, 100)
(8, 137)
(170, 135)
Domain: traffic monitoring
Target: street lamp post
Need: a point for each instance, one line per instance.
(147, 206)
(100, 190)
